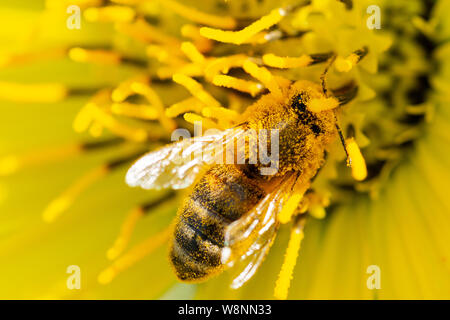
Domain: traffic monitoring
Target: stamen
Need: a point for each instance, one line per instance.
(290, 259)
(220, 113)
(206, 123)
(263, 75)
(94, 56)
(164, 55)
(253, 88)
(64, 201)
(135, 254)
(193, 32)
(189, 69)
(317, 211)
(196, 89)
(32, 93)
(110, 14)
(146, 33)
(198, 16)
(125, 233)
(189, 104)
(192, 52)
(145, 112)
(274, 61)
(356, 160)
(96, 129)
(130, 222)
(289, 208)
(123, 91)
(58, 4)
(155, 101)
(224, 64)
(84, 118)
(12, 163)
(298, 191)
(238, 37)
(7, 59)
(120, 129)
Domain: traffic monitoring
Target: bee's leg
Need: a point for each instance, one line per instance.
(135, 254)
(284, 277)
(130, 221)
(68, 196)
(323, 76)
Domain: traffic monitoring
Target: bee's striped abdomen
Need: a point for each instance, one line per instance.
(222, 196)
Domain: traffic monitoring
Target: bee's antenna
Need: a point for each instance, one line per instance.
(341, 136)
(323, 76)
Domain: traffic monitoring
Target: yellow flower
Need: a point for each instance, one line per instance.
(80, 104)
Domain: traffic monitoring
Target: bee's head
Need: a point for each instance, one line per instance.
(314, 108)
(316, 123)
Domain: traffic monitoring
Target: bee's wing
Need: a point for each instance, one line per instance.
(249, 239)
(177, 165)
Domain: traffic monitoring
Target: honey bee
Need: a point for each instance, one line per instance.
(231, 215)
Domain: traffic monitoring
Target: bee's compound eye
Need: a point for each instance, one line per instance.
(316, 129)
(298, 103)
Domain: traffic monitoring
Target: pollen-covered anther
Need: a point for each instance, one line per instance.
(186, 105)
(193, 32)
(274, 61)
(195, 15)
(120, 129)
(58, 4)
(192, 52)
(110, 14)
(250, 87)
(263, 75)
(145, 112)
(144, 32)
(356, 160)
(164, 54)
(220, 113)
(205, 122)
(95, 56)
(239, 37)
(196, 89)
(155, 101)
(224, 64)
(346, 64)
